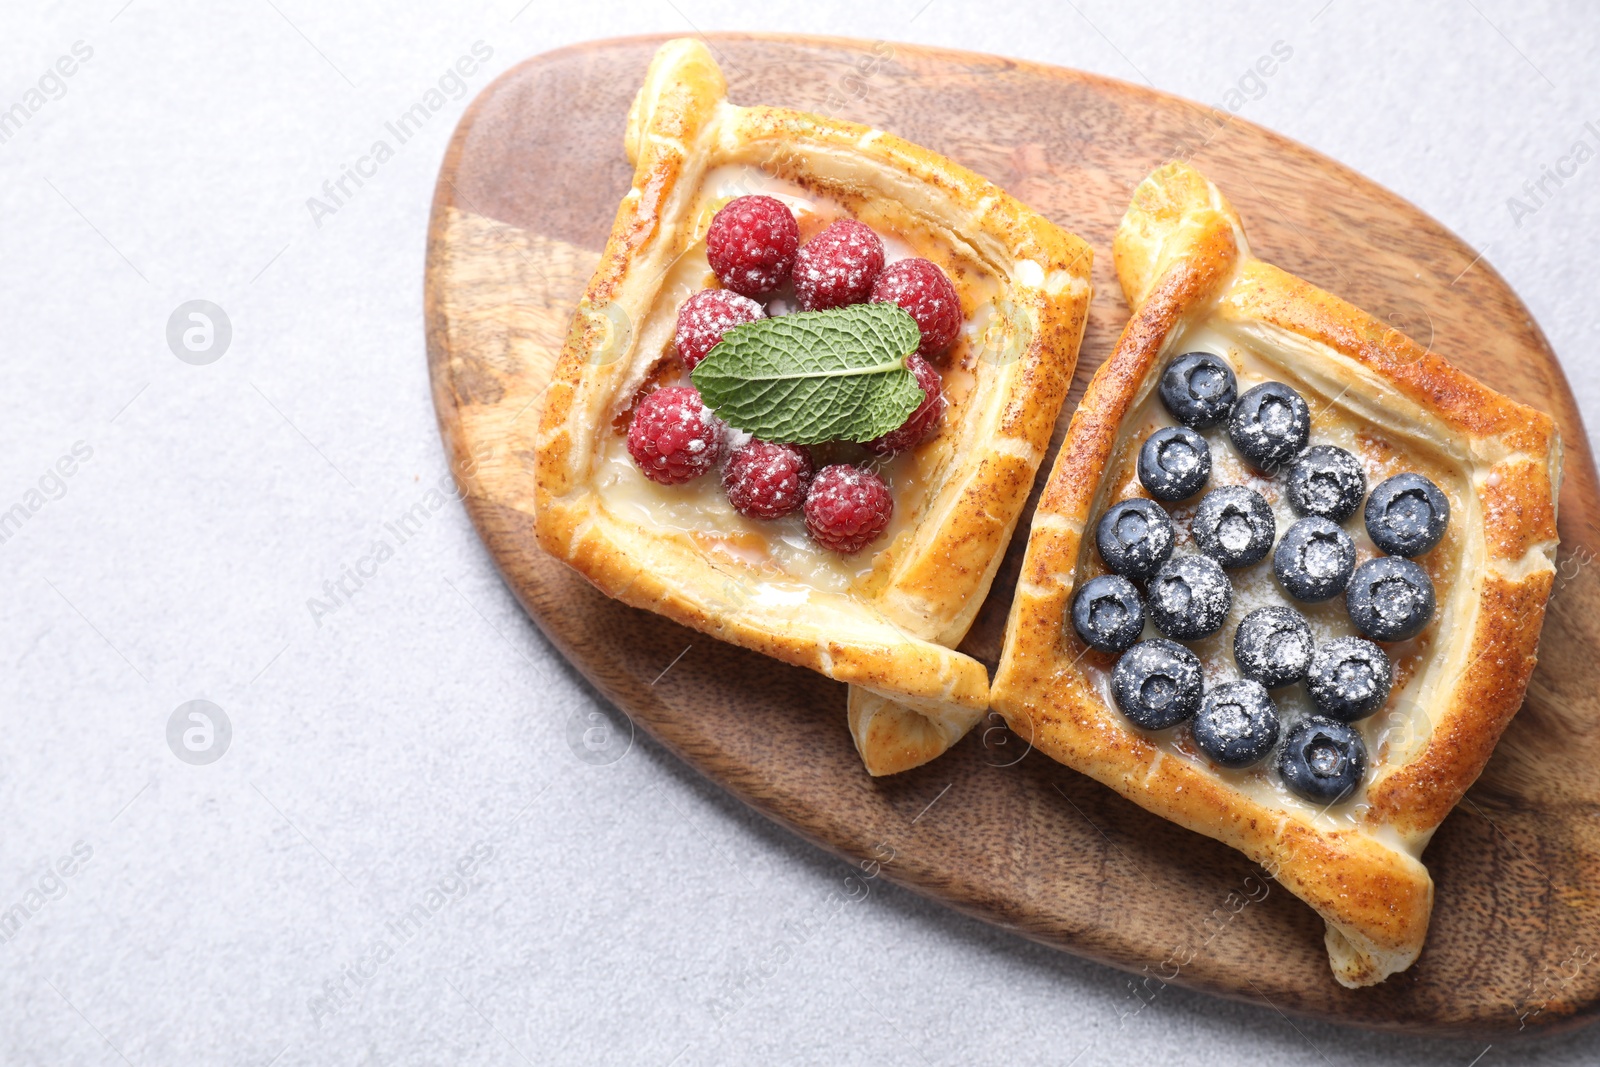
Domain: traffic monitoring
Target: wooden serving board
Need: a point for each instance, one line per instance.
(524, 202)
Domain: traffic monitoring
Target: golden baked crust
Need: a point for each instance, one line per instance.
(1184, 264)
(892, 634)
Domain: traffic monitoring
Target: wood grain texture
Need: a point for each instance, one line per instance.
(523, 206)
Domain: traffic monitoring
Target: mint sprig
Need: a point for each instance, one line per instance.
(815, 376)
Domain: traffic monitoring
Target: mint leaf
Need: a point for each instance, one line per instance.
(815, 376)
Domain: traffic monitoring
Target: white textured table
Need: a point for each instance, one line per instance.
(257, 525)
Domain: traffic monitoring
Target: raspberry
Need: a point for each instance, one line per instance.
(924, 422)
(838, 266)
(922, 289)
(751, 244)
(706, 316)
(847, 507)
(766, 480)
(674, 437)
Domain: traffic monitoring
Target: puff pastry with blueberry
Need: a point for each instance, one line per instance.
(1286, 581)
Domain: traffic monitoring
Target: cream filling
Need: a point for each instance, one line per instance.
(1342, 417)
(784, 564)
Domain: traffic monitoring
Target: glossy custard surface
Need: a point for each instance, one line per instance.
(1398, 729)
(782, 561)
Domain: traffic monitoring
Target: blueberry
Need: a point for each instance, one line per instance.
(1134, 537)
(1323, 760)
(1407, 515)
(1326, 481)
(1234, 526)
(1350, 678)
(1273, 646)
(1107, 613)
(1237, 725)
(1270, 425)
(1315, 559)
(1174, 463)
(1198, 389)
(1189, 597)
(1157, 684)
(1390, 599)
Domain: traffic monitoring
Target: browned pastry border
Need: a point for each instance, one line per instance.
(895, 642)
(1182, 258)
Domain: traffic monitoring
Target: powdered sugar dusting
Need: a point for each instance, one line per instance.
(751, 244)
(838, 266)
(674, 437)
(847, 508)
(1190, 597)
(706, 316)
(766, 480)
(919, 286)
